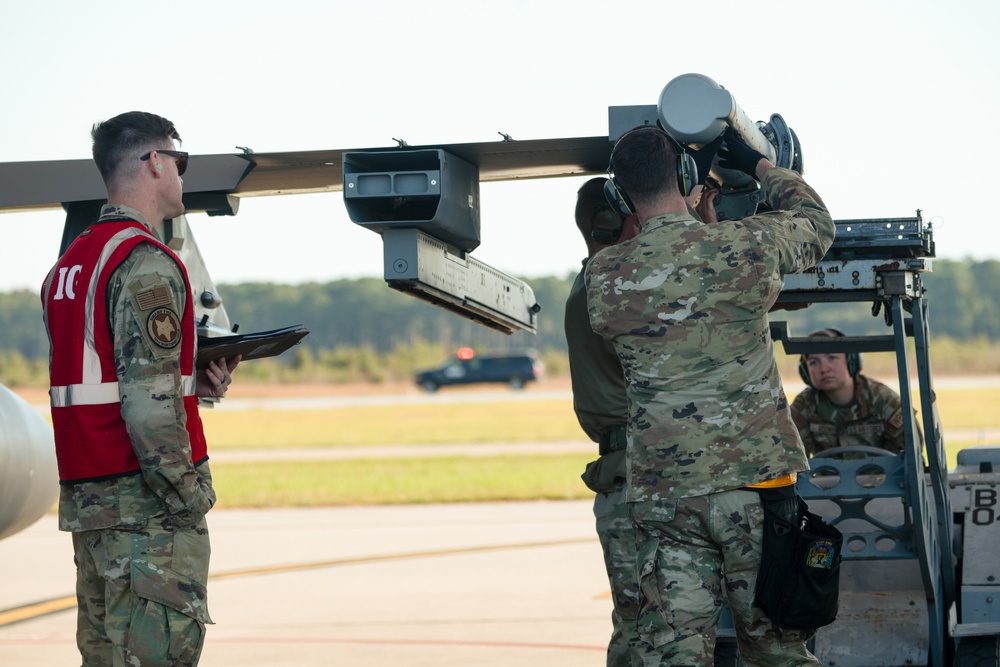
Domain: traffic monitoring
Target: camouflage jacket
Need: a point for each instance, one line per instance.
(874, 418)
(155, 417)
(685, 304)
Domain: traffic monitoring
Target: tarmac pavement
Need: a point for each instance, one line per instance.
(415, 585)
(483, 584)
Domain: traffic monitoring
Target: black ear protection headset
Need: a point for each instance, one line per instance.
(605, 223)
(687, 174)
(616, 196)
(853, 358)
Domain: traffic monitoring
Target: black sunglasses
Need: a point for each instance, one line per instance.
(182, 159)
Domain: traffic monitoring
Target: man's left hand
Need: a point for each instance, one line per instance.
(706, 206)
(214, 380)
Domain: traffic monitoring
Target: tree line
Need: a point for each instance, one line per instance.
(361, 329)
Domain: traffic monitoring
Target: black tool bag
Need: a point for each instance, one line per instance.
(799, 579)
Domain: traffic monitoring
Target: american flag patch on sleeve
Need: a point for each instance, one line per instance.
(154, 298)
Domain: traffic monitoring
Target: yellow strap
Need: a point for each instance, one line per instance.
(776, 483)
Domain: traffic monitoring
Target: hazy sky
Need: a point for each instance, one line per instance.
(893, 103)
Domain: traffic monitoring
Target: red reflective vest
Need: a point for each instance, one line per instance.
(92, 442)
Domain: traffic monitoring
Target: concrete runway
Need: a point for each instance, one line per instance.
(438, 585)
(417, 585)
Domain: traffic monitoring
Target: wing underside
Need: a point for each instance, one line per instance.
(26, 186)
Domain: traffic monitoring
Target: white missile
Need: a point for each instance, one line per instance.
(29, 480)
(695, 110)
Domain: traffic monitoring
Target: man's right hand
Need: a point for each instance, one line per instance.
(739, 155)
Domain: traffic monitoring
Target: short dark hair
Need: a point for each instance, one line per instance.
(644, 162)
(126, 137)
(590, 199)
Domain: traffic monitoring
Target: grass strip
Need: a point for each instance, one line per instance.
(416, 480)
(397, 481)
(504, 421)
(450, 478)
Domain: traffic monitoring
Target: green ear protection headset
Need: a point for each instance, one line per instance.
(687, 175)
(853, 358)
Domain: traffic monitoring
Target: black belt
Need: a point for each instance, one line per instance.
(612, 440)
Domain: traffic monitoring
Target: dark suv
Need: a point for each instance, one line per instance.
(512, 369)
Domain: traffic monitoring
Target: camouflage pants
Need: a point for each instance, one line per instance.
(684, 547)
(614, 529)
(141, 595)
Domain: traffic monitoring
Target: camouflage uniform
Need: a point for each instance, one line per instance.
(602, 409)
(141, 542)
(685, 304)
(874, 418)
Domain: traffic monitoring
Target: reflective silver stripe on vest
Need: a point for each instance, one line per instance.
(84, 394)
(101, 394)
(91, 360)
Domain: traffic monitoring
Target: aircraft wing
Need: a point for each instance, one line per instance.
(26, 186)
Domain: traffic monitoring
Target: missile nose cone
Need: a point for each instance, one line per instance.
(693, 108)
(29, 481)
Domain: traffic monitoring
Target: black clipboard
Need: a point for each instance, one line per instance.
(251, 346)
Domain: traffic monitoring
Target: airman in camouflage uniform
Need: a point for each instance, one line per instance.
(840, 407)
(685, 304)
(602, 410)
(140, 538)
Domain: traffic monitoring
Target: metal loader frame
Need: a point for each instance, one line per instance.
(901, 531)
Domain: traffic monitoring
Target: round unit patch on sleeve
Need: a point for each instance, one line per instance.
(164, 328)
